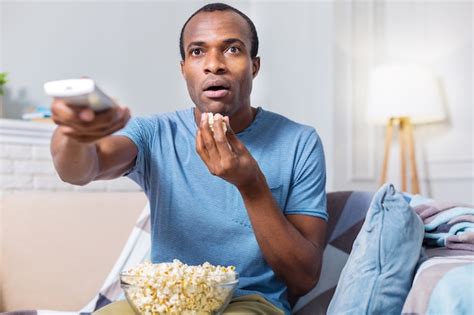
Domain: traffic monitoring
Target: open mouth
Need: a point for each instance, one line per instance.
(216, 89)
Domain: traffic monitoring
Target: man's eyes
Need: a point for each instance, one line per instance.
(196, 51)
(233, 49)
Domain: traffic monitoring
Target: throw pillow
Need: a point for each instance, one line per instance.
(381, 266)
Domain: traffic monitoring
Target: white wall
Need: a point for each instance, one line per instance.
(437, 34)
(296, 79)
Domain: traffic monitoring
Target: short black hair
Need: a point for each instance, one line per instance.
(223, 7)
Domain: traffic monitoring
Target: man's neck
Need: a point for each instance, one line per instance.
(238, 122)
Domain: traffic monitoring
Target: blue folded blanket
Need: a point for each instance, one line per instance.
(446, 224)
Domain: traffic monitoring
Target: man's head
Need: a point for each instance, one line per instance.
(223, 7)
(219, 46)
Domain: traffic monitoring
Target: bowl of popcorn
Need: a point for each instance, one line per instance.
(176, 288)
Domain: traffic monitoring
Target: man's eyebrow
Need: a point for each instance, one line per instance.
(226, 41)
(197, 43)
(233, 40)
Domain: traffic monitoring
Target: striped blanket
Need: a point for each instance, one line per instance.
(443, 284)
(446, 224)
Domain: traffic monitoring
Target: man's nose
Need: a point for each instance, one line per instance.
(215, 63)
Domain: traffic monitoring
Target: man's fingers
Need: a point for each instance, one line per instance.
(208, 138)
(72, 112)
(237, 146)
(200, 148)
(118, 124)
(61, 110)
(86, 114)
(66, 130)
(105, 119)
(230, 131)
(116, 127)
(90, 137)
(89, 134)
(101, 131)
(101, 122)
(222, 145)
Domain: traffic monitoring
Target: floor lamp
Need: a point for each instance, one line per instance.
(401, 95)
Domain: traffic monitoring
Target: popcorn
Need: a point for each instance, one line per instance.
(211, 119)
(176, 288)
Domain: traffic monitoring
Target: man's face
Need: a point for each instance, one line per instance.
(217, 67)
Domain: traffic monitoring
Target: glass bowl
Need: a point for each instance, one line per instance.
(148, 298)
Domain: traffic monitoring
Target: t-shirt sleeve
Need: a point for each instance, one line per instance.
(140, 131)
(307, 194)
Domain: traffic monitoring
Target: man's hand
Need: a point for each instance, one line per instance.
(224, 154)
(84, 125)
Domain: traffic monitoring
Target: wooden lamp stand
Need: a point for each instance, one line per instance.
(405, 136)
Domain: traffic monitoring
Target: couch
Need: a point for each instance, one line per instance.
(53, 257)
(52, 254)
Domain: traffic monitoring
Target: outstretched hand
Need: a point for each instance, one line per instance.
(84, 125)
(224, 154)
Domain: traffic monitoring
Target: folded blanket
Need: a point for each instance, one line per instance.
(439, 237)
(446, 224)
(445, 216)
(429, 207)
(463, 241)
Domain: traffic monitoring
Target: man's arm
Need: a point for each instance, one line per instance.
(82, 147)
(291, 245)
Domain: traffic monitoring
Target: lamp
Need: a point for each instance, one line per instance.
(399, 95)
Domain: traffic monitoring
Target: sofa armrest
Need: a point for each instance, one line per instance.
(58, 247)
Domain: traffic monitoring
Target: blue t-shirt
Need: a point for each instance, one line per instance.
(197, 217)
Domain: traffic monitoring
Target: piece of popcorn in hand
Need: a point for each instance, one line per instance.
(211, 118)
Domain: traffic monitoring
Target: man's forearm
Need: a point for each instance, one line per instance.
(295, 259)
(76, 163)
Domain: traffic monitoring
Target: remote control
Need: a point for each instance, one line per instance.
(80, 92)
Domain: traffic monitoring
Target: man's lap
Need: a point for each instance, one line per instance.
(244, 305)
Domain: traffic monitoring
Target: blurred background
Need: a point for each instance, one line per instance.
(317, 60)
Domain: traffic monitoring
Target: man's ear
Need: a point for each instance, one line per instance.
(181, 63)
(255, 66)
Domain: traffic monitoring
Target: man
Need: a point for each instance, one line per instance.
(252, 196)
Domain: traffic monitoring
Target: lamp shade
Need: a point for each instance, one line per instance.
(404, 90)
